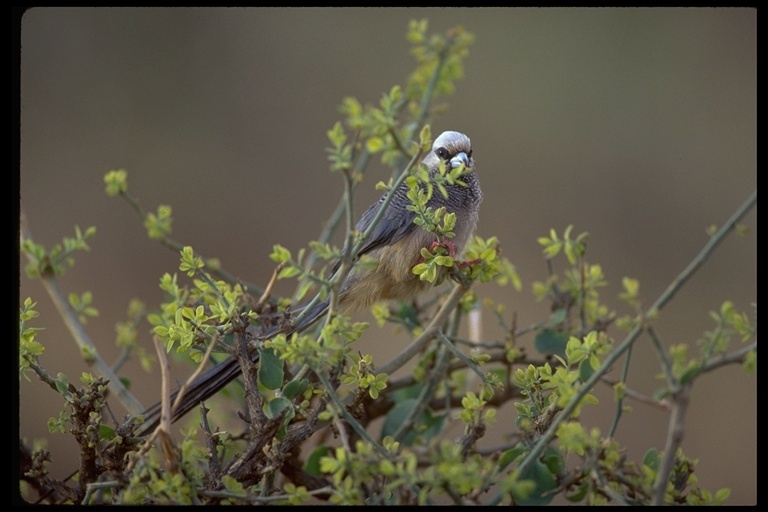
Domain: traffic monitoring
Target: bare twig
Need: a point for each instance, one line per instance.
(676, 430)
(197, 371)
(645, 399)
(429, 333)
(268, 290)
(680, 401)
(166, 408)
(737, 356)
(81, 338)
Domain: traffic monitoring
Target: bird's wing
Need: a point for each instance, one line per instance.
(396, 222)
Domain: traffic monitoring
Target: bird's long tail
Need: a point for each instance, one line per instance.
(212, 381)
(311, 316)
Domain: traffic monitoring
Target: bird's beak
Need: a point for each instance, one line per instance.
(460, 159)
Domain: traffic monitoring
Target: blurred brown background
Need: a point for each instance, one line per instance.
(637, 125)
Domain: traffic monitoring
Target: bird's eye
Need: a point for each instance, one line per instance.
(442, 153)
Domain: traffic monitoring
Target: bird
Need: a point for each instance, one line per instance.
(394, 243)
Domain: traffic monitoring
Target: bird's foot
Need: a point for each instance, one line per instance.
(447, 246)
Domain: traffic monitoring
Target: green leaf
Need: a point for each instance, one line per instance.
(579, 494)
(651, 459)
(232, 485)
(276, 406)
(116, 181)
(553, 459)
(425, 137)
(336, 135)
(509, 456)
(312, 465)
(689, 374)
(280, 254)
(544, 482)
(288, 272)
(295, 388)
(558, 317)
(374, 144)
(158, 225)
(426, 425)
(270, 369)
(551, 342)
(407, 393)
(62, 385)
(585, 370)
(722, 494)
(106, 432)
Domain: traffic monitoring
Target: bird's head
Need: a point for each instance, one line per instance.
(453, 148)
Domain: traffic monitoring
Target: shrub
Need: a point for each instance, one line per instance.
(309, 432)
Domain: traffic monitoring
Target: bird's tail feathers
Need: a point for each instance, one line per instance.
(203, 387)
(311, 316)
(212, 381)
